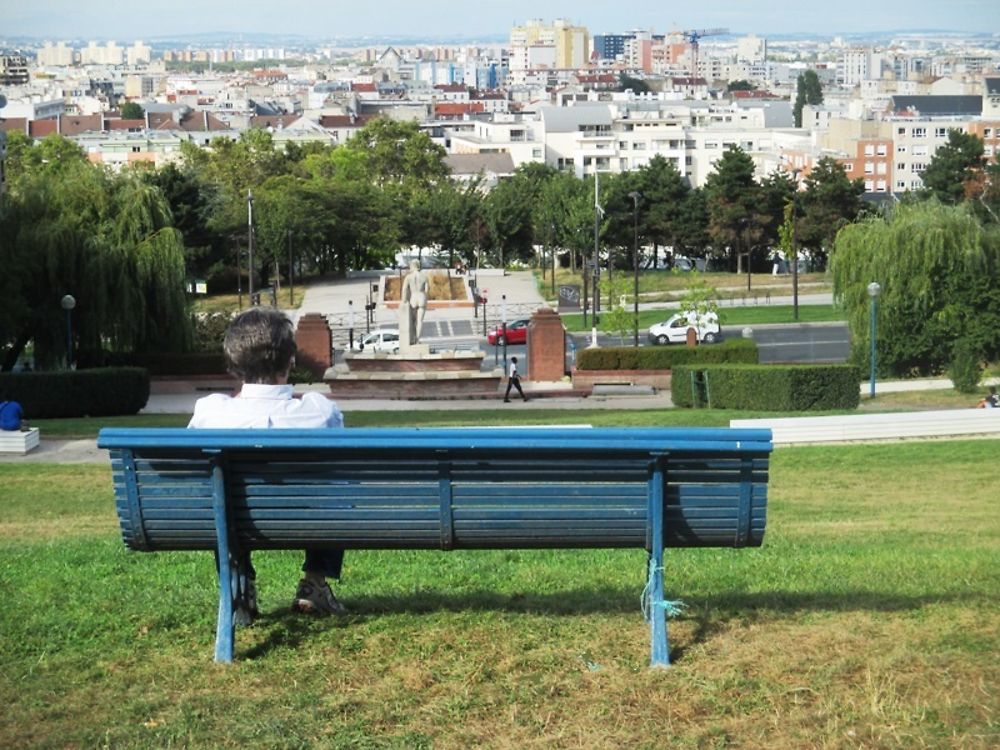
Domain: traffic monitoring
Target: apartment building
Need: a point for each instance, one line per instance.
(56, 55)
(107, 54)
(14, 70)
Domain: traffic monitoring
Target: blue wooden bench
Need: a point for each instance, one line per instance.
(552, 487)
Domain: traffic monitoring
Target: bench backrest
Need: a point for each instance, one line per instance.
(440, 488)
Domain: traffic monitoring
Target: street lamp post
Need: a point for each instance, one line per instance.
(745, 223)
(873, 292)
(552, 250)
(503, 327)
(68, 302)
(350, 323)
(291, 271)
(250, 245)
(635, 261)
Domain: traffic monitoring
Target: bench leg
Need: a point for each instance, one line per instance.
(224, 628)
(659, 649)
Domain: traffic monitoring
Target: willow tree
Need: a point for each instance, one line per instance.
(106, 240)
(938, 268)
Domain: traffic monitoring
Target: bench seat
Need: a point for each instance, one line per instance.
(437, 488)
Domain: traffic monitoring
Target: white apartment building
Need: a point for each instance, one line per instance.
(95, 54)
(139, 54)
(854, 66)
(55, 55)
(751, 49)
(625, 135)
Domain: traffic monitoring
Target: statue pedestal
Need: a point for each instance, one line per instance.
(412, 376)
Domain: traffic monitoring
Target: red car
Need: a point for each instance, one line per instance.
(517, 333)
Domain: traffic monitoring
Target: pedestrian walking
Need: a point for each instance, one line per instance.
(513, 381)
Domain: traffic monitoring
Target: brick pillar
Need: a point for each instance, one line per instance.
(546, 346)
(315, 349)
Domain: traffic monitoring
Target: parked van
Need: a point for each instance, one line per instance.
(674, 329)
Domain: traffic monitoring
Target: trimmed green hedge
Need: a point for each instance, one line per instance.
(100, 392)
(187, 363)
(666, 357)
(767, 387)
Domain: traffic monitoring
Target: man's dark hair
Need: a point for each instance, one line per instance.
(259, 345)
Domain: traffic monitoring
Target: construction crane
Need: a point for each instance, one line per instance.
(692, 36)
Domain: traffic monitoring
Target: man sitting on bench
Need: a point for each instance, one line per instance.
(260, 350)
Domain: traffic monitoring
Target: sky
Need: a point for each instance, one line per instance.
(125, 21)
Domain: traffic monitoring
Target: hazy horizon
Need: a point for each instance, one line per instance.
(110, 20)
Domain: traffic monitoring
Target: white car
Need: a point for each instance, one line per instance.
(674, 329)
(383, 340)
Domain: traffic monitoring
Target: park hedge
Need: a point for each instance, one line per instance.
(766, 387)
(666, 357)
(100, 392)
(172, 364)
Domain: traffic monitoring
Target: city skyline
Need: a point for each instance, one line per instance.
(107, 19)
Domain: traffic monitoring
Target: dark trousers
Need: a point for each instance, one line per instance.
(326, 562)
(514, 382)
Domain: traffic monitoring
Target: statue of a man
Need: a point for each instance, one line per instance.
(413, 304)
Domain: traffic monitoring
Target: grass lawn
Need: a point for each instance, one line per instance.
(869, 618)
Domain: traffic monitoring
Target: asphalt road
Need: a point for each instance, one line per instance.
(794, 342)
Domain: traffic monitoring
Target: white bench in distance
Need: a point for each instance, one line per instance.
(19, 441)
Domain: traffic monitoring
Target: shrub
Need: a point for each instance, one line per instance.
(666, 357)
(767, 387)
(187, 363)
(100, 392)
(209, 331)
(966, 368)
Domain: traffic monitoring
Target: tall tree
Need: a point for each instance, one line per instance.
(132, 111)
(830, 201)
(105, 239)
(955, 172)
(808, 90)
(937, 266)
(664, 191)
(733, 203)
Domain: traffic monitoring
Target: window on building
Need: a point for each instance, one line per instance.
(920, 150)
(987, 132)
(940, 132)
(880, 186)
(688, 161)
(848, 166)
(881, 167)
(900, 149)
(918, 166)
(881, 149)
(711, 144)
(869, 186)
(919, 132)
(869, 167)
(901, 184)
(988, 150)
(901, 131)
(639, 146)
(870, 150)
(901, 166)
(136, 149)
(536, 153)
(623, 145)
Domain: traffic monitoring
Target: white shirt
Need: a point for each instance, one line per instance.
(513, 369)
(264, 406)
